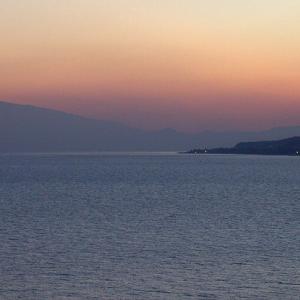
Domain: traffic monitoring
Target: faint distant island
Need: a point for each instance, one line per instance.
(290, 146)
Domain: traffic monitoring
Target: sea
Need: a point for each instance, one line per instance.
(118, 226)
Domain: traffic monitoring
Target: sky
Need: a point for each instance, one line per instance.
(192, 65)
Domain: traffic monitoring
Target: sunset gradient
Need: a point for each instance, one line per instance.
(188, 64)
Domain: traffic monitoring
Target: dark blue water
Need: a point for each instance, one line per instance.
(149, 227)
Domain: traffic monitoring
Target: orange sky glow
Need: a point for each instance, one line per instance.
(188, 64)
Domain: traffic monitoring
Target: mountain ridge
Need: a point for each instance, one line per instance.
(28, 128)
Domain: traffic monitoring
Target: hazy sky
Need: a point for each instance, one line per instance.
(187, 64)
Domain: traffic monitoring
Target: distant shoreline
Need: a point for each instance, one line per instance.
(286, 147)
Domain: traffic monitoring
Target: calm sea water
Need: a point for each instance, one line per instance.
(149, 227)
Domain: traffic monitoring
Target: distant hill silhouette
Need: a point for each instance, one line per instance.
(290, 146)
(25, 128)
